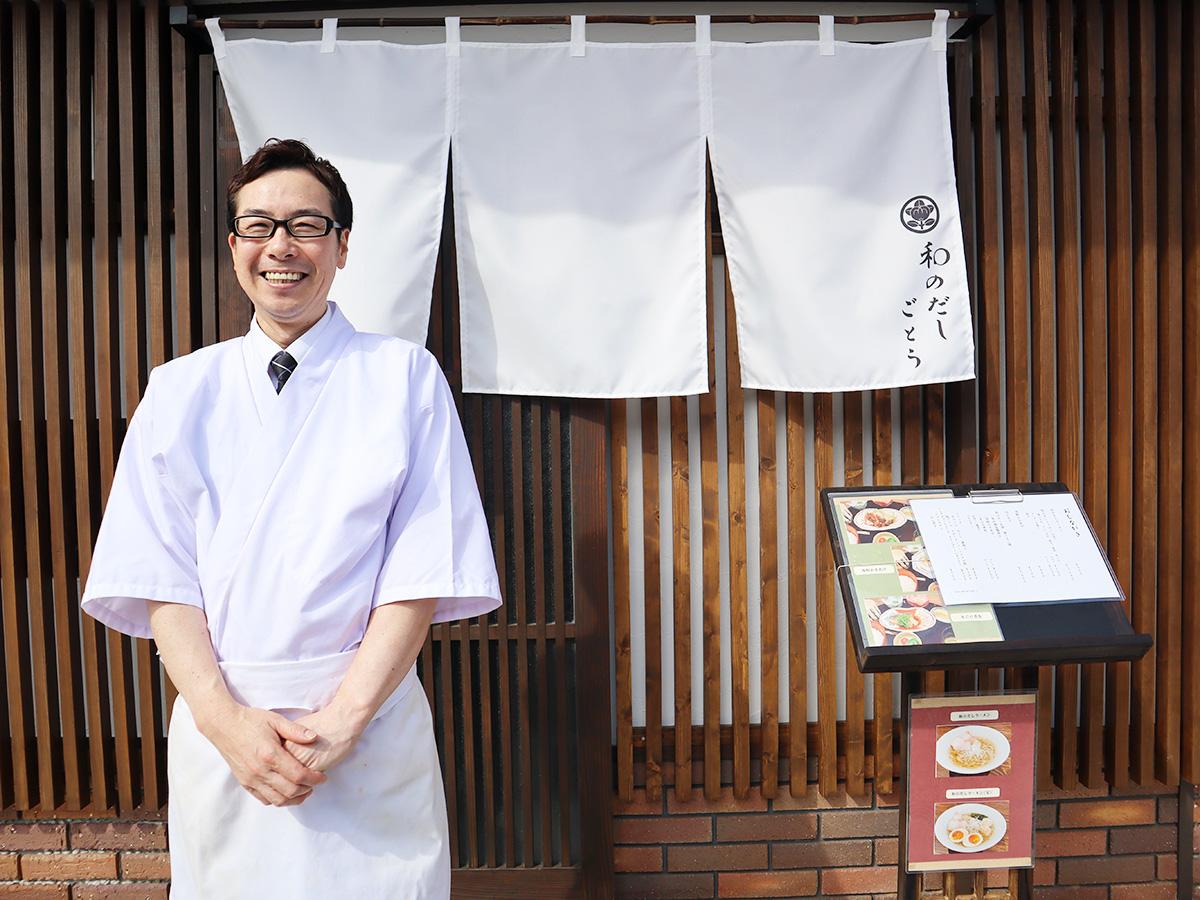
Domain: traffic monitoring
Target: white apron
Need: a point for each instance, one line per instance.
(377, 828)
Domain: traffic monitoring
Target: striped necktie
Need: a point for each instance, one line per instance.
(281, 368)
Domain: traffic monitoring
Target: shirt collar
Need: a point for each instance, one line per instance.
(263, 348)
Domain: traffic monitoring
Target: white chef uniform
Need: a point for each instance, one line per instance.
(288, 518)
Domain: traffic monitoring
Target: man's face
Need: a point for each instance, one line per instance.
(287, 278)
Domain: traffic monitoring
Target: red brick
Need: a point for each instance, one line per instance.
(145, 866)
(664, 887)
(1072, 892)
(766, 884)
(1100, 813)
(1045, 871)
(767, 827)
(118, 836)
(8, 867)
(638, 806)
(867, 880)
(1074, 842)
(1168, 809)
(887, 851)
(1105, 869)
(997, 878)
(84, 890)
(716, 857)
(1167, 868)
(68, 866)
(1046, 815)
(726, 803)
(814, 799)
(25, 891)
(1159, 891)
(1149, 839)
(21, 836)
(820, 854)
(638, 859)
(865, 823)
(664, 830)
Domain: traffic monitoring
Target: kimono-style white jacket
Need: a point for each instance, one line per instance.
(288, 519)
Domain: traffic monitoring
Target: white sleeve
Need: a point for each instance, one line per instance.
(146, 548)
(437, 542)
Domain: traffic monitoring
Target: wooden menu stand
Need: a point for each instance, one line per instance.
(1059, 633)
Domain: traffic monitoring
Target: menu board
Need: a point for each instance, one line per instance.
(970, 802)
(1038, 549)
(896, 594)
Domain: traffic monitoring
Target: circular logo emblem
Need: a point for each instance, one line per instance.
(920, 214)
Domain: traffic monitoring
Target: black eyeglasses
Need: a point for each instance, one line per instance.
(262, 228)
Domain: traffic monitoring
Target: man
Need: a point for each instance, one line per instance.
(291, 510)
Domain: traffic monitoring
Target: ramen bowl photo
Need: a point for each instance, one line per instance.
(972, 749)
(970, 828)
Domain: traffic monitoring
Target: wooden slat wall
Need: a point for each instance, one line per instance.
(1074, 127)
(114, 138)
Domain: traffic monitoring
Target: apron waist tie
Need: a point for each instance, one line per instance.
(300, 684)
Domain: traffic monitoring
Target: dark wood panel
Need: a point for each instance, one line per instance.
(768, 568)
(797, 543)
(652, 596)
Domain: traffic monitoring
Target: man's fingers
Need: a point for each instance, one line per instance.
(296, 772)
(285, 790)
(292, 731)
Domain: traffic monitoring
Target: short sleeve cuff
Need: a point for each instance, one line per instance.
(125, 607)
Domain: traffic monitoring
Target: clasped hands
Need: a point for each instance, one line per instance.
(278, 760)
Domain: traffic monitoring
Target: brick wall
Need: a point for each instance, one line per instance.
(1116, 848)
(83, 859)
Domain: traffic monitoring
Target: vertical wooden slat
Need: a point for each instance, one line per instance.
(521, 602)
(559, 498)
(1169, 474)
(797, 544)
(82, 349)
(590, 543)
(158, 144)
(768, 568)
(681, 595)
(1144, 363)
(826, 621)
(710, 534)
(1119, 240)
(32, 400)
(509, 610)
(107, 192)
(881, 452)
(1041, 243)
(1094, 351)
(212, 220)
(621, 599)
(483, 705)
(55, 356)
(1190, 664)
(652, 597)
(18, 695)
(855, 752)
(1067, 326)
(739, 630)
(232, 305)
(962, 414)
(184, 111)
(542, 681)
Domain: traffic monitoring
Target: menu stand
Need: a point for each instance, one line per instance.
(1085, 632)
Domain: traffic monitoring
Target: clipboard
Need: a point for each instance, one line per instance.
(900, 635)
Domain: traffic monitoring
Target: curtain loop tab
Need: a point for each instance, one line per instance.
(940, 17)
(453, 36)
(217, 36)
(328, 35)
(578, 37)
(704, 35)
(825, 33)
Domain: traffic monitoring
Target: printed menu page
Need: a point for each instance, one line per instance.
(896, 591)
(1040, 549)
(970, 782)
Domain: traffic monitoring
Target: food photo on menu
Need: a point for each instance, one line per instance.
(970, 827)
(895, 585)
(965, 750)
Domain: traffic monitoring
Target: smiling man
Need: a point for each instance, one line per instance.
(291, 510)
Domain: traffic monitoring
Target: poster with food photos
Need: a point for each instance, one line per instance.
(896, 592)
(970, 801)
